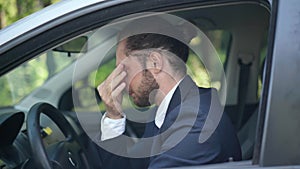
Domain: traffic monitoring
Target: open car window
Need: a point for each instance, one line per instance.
(24, 79)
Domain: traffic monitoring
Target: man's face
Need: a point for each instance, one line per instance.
(139, 81)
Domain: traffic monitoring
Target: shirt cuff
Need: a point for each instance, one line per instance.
(111, 128)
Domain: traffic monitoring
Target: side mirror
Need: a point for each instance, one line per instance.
(78, 45)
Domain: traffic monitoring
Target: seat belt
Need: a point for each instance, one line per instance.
(245, 62)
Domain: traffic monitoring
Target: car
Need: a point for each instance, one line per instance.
(52, 61)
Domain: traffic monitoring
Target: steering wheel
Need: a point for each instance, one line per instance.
(72, 146)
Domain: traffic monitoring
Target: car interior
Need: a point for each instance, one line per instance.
(66, 77)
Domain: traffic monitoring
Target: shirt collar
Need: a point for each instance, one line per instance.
(163, 107)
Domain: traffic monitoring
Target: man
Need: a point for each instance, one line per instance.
(151, 68)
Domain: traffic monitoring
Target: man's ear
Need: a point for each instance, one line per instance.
(155, 62)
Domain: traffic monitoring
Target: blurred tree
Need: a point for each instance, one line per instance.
(45, 3)
(7, 11)
(13, 10)
(24, 80)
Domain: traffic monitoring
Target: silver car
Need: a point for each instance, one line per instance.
(52, 61)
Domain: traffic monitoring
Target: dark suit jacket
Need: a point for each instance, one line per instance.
(192, 112)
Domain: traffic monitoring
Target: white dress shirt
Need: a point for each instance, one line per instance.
(112, 128)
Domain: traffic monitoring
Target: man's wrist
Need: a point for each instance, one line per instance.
(114, 116)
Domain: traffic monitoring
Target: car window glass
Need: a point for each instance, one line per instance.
(27, 77)
(263, 55)
(221, 42)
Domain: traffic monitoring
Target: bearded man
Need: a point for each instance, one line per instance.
(151, 68)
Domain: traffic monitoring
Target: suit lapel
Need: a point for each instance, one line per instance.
(185, 89)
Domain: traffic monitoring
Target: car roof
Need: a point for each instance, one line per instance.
(51, 14)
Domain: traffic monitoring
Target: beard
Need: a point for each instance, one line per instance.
(147, 86)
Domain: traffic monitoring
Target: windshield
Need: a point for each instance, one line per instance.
(21, 81)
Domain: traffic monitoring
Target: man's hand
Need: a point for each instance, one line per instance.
(111, 90)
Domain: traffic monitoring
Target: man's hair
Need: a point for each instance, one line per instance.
(152, 41)
(177, 52)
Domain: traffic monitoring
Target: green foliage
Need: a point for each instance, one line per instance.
(26, 78)
(104, 71)
(197, 71)
(13, 10)
(9, 10)
(5, 94)
(22, 80)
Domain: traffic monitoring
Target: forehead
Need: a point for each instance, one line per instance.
(121, 56)
(121, 47)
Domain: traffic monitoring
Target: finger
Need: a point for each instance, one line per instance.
(117, 80)
(117, 71)
(99, 89)
(117, 97)
(117, 92)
